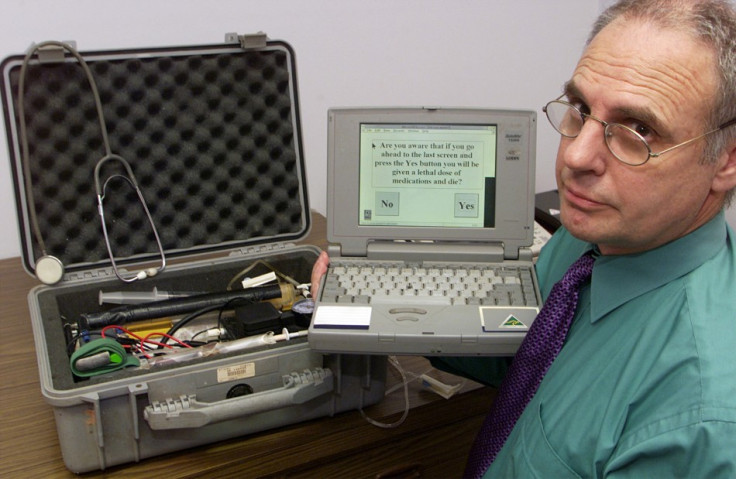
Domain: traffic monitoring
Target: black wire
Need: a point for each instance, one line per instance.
(71, 344)
(192, 340)
(187, 319)
(194, 315)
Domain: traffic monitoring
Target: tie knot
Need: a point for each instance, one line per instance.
(580, 271)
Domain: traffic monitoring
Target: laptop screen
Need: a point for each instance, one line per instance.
(427, 174)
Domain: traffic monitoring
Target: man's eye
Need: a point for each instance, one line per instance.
(582, 107)
(642, 129)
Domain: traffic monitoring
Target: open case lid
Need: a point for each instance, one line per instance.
(211, 134)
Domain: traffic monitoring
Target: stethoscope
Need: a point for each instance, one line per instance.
(100, 190)
(49, 269)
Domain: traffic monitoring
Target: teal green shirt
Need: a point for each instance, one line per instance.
(645, 385)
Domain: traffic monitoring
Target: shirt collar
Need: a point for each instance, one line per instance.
(618, 279)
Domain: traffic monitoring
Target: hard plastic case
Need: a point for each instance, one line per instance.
(213, 136)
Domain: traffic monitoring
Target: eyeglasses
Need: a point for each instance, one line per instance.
(627, 145)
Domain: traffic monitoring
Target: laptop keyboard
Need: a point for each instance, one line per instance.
(442, 283)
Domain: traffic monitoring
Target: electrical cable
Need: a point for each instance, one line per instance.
(411, 377)
(395, 363)
(72, 343)
(163, 343)
(207, 309)
(143, 342)
(191, 317)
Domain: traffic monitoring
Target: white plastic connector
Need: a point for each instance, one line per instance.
(444, 390)
(215, 333)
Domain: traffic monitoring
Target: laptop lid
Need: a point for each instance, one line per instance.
(454, 175)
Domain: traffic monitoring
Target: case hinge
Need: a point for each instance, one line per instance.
(247, 41)
(260, 249)
(88, 274)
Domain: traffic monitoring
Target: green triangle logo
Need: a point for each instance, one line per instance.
(512, 322)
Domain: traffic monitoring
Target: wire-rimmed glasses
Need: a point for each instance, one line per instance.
(625, 144)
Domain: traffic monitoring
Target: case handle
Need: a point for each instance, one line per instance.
(187, 412)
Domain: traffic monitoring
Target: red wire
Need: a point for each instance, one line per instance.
(168, 336)
(143, 341)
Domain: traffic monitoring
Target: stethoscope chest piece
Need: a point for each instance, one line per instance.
(49, 269)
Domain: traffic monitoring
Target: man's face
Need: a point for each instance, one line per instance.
(660, 83)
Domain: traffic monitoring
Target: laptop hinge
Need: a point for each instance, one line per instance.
(526, 254)
(420, 251)
(334, 250)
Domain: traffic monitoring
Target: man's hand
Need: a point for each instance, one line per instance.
(319, 270)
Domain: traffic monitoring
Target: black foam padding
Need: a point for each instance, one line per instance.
(212, 139)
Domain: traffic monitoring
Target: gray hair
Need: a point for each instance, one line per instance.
(712, 22)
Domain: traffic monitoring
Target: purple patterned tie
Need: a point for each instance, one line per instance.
(531, 362)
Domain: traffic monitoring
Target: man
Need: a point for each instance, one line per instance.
(645, 384)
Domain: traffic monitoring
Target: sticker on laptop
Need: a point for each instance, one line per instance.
(512, 322)
(507, 319)
(342, 317)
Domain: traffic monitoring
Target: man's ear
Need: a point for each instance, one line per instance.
(725, 176)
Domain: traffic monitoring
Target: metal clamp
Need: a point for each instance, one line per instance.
(248, 41)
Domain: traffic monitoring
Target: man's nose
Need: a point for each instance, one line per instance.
(587, 151)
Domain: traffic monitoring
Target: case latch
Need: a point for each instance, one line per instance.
(53, 53)
(248, 41)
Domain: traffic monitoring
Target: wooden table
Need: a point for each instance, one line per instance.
(432, 442)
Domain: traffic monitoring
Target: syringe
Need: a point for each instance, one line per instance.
(139, 297)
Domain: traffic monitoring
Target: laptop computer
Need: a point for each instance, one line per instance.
(414, 191)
